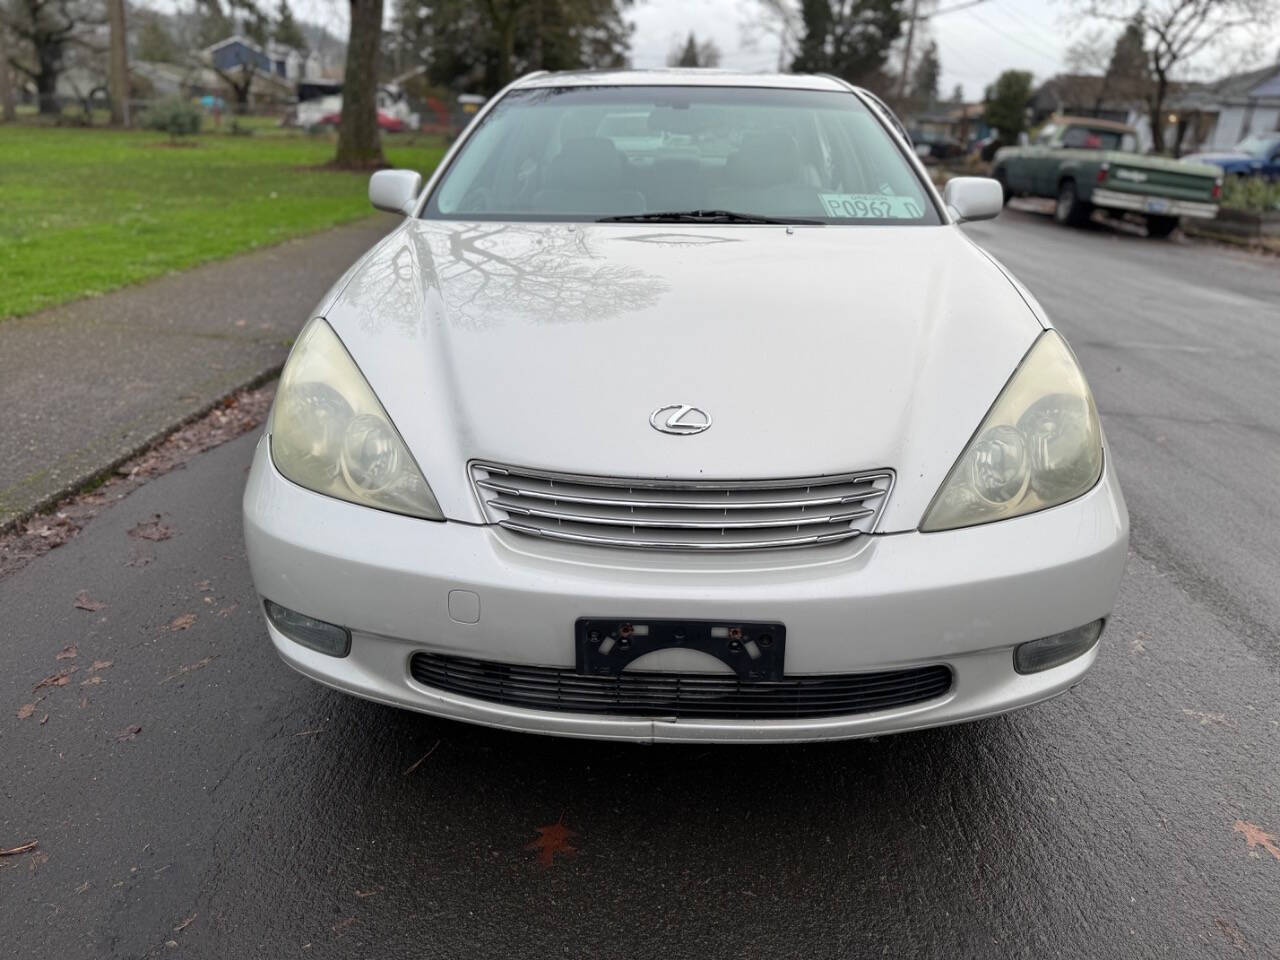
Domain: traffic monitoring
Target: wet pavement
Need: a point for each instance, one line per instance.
(196, 798)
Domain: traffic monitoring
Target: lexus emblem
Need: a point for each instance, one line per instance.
(679, 419)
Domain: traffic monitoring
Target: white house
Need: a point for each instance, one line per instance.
(1219, 115)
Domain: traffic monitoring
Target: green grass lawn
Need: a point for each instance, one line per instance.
(84, 211)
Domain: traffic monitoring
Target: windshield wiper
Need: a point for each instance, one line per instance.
(702, 216)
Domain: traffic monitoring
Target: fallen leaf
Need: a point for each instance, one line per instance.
(228, 611)
(199, 664)
(1207, 718)
(203, 586)
(182, 622)
(552, 839)
(340, 927)
(140, 560)
(60, 679)
(1232, 934)
(152, 529)
(44, 720)
(67, 653)
(99, 665)
(185, 923)
(128, 733)
(84, 603)
(417, 763)
(26, 710)
(1255, 836)
(22, 848)
(91, 681)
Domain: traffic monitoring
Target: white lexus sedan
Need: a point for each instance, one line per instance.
(679, 408)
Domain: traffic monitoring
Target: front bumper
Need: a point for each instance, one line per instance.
(1140, 203)
(964, 598)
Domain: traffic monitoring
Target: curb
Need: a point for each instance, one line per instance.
(89, 477)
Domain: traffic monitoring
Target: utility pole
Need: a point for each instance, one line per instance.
(906, 56)
(118, 66)
(9, 111)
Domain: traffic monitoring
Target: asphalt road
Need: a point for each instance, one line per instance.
(254, 814)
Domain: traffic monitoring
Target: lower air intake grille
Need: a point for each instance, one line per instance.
(679, 695)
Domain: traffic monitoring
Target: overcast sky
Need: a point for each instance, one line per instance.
(975, 44)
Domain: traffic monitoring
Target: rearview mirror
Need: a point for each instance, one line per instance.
(973, 198)
(395, 191)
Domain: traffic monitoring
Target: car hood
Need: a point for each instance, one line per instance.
(815, 350)
(1218, 158)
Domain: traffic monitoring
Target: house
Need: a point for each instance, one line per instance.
(959, 122)
(238, 52)
(1216, 116)
(1086, 95)
(274, 70)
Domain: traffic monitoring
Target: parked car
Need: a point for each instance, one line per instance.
(1256, 156)
(747, 442)
(933, 149)
(1087, 165)
(386, 122)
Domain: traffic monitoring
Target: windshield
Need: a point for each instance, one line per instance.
(1095, 138)
(1256, 146)
(591, 153)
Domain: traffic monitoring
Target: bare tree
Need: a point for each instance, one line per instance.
(118, 65)
(45, 30)
(778, 20)
(359, 143)
(8, 110)
(1176, 32)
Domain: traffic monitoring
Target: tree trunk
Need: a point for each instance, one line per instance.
(1157, 112)
(506, 49)
(359, 142)
(118, 66)
(47, 91)
(8, 110)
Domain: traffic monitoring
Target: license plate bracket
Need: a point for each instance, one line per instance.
(752, 649)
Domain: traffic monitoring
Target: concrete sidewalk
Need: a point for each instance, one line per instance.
(86, 385)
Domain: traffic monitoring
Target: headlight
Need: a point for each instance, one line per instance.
(330, 434)
(1039, 446)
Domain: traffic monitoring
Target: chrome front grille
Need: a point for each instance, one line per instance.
(682, 514)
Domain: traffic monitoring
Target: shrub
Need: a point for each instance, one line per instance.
(174, 117)
(1252, 194)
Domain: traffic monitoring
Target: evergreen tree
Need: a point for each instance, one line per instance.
(1006, 103)
(479, 47)
(926, 76)
(1128, 75)
(849, 38)
(287, 32)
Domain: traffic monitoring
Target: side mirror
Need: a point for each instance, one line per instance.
(395, 191)
(973, 198)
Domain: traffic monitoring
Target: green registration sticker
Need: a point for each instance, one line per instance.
(871, 206)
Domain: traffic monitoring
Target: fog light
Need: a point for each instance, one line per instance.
(324, 637)
(1056, 650)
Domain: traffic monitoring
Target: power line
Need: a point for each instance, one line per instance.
(1018, 40)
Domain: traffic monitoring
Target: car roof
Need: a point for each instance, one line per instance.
(679, 77)
(1097, 122)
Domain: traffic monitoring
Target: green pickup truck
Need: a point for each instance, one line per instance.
(1087, 165)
